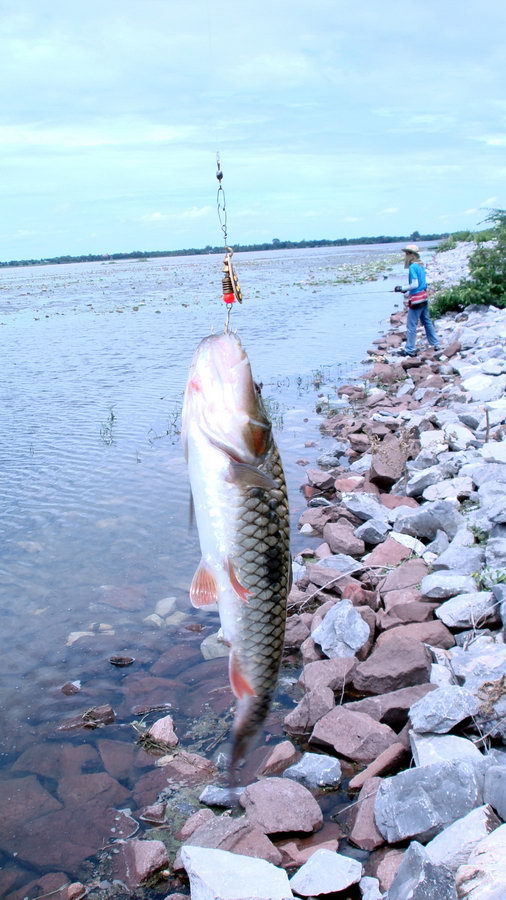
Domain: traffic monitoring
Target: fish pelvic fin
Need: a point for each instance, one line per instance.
(238, 588)
(203, 589)
(238, 680)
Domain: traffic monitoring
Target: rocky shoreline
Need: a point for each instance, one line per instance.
(396, 629)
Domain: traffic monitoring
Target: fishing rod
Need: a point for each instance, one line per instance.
(230, 282)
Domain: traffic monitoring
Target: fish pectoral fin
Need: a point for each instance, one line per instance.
(249, 476)
(203, 589)
(239, 589)
(238, 681)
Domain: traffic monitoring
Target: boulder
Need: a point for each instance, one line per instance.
(354, 735)
(450, 489)
(419, 803)
(388, 553)
(342, 632)
(391, 708)
(388, 462)
(419, 878)
(315, 770)
(408, 574)
(425, 522)
(237, 835)
(309, 710)
(401, 662)
(434, 748)
(280, 757)
(494, 789)
(135, 861)
(330, 571)
(364, 506)
(281, 805)
(374, 531)
(441, 585)
(341, 538)
(326, 873)
(382, 765)
(370, 888)
(439, 711)
(483, 877)
(230, 876)
(469, 610)
(433, 633)
(453, 846)
(332, 673)
(419, 480)
(363, 832)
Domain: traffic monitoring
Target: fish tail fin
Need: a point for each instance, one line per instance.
(250, 715)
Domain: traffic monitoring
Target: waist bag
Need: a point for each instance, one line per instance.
(418, 299)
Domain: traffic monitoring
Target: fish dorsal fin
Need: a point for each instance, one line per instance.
(249, 476)
(238, 588)
(203, 589)
(238, 681)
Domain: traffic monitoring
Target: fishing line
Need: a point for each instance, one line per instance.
(230, 282)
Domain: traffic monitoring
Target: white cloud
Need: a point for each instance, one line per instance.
(389, 210)
(489, 201)
(492, 140)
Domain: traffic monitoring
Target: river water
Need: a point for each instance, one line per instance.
(94, 504)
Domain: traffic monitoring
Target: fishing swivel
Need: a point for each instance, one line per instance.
(230, 282)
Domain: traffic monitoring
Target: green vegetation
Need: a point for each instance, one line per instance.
(487, 266)
(275, 244)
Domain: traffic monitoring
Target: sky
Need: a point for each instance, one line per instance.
(332, 119)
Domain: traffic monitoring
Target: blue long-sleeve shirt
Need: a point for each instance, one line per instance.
(416, 274)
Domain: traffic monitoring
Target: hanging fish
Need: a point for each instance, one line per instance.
(241, 510)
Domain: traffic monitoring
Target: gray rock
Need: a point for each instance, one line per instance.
(439, 544)
(485, 387)
(362, 465)
(452, 847)
(472, 610)
(439, 711)
(326, 872)
(419, 803)
(495, 552)
(338, 564)
(373, 532)
(422, 479)
(458, 436)
(499, 592)
(450, 489)
(434, 748)
(492, 497)
(213, 646)
(430, 518)
(315, 770)
(364, 506)
(494, 789)
(483, 877)
(224, 797)
(488, 471)
(221, 875)
(370, 888)
(342, 632)
(494, 451)
(462, 555)
(419, 878)
(440, 585)
(482, 661)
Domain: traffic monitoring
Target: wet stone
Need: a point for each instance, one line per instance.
(315, 770)
(137, 860)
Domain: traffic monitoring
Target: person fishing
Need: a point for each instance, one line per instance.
(417, 301)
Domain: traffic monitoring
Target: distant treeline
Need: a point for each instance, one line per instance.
(275, 244)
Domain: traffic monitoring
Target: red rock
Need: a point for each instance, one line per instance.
(406, 614)
(341, 539)
(309, 710)
(293, 856)
(386, 373)
(434, 633)
(136, 861)
(201, 817)
(175, 660)
(391, 708)
(335, 674)
(383, 865)
(364, 833)
(235, 835)
(21, 799)
(370, 618)
(388, 462)
(392, 501)
(131, 598)
(322, 576)
(281, 805)
(360, 443)
(317, 517)
(407, 575)
(184, 769)
(295, 597)
(76, 891)
(354, 735)
(278, 759)
(144, 692)
(453, 348)
(322, 551)
(154, 814)
(163, 732)
(91, 718)
(369, 487)
(389, 553)
(52, 760)
(310, 651)
(75, 790)
(117, 756)
(52, 884)
(401, 662)
(375, 399)
(359, 596)
(349, 483)
(296, 631)
(405, 596)
(319, 479)
(385, 762)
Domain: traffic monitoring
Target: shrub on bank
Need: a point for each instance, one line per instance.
(486, 284)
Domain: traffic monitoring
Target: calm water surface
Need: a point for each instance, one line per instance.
(94, 498)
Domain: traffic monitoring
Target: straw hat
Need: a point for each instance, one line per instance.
(411, 248)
